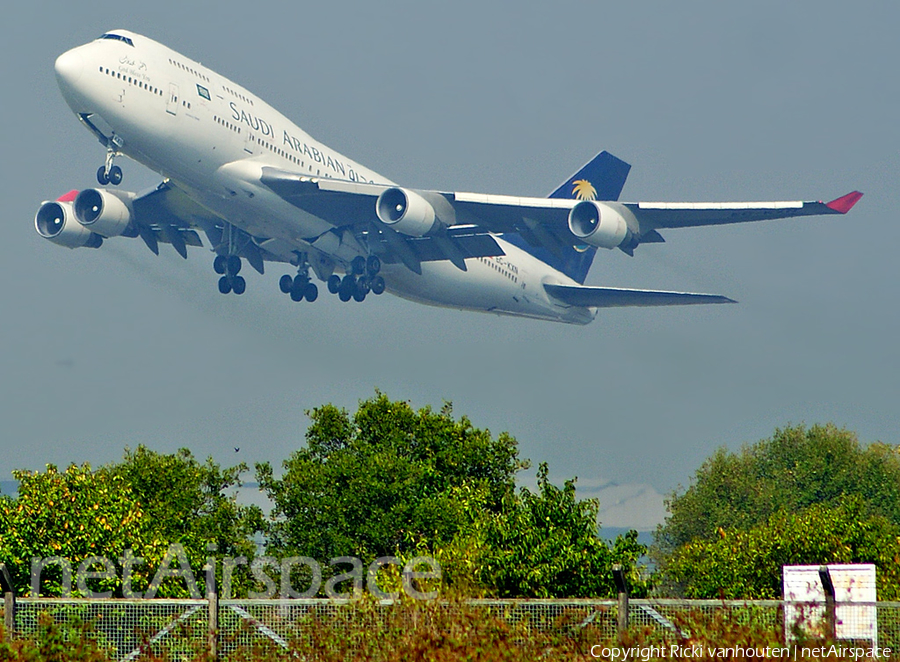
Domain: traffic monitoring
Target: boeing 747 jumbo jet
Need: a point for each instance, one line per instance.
(262, 190)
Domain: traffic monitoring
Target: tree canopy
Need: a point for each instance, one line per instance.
(745, 503)
(143, 504)
(392, 481)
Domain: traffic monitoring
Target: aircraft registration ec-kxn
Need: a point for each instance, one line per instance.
(262, 190)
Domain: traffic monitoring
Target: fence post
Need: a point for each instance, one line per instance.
(9, 603)
(213, 636)
(622, 611)
(830, 615)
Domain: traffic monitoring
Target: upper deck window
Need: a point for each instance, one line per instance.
(117, 37)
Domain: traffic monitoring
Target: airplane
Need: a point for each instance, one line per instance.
(262, 190)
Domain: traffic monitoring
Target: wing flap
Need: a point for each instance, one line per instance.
(612, 297)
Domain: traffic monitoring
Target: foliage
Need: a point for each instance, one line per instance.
(393, 481)
(794, 469)
(746, 564)
(188, 502)
(541, 544)
(73, 514)
(144, 504)
(373, 484)
(55, 642)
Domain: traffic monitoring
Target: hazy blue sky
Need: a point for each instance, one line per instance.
(707, 101)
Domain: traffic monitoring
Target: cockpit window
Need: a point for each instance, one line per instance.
(117, 37)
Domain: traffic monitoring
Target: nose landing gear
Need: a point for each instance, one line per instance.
(109, 173)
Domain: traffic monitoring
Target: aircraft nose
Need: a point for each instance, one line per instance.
(69, 67)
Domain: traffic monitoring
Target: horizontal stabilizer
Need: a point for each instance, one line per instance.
(612, 297)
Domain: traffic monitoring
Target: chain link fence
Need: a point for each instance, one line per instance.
(182, 628)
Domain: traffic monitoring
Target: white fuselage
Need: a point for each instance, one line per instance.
(211, 138)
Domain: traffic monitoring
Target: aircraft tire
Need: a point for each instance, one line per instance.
(377, 285)
(344, 296)
(224, 285)
(102, 177)
(285, 284)
(358, 265)
(312, 292)
(373, 265)
(115, 175)
(334, 283)
(359, 296)
(233, 265)
(239, 285)
(296, 294)
(219, 264)
(362, 285)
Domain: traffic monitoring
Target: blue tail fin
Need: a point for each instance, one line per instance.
(602, 178)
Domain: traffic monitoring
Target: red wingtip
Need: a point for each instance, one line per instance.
(68, 197)
(845, 203)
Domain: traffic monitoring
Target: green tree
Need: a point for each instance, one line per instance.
(542, 544)
(394, 481)
(144, 504)
(374, 484)
(746, 564)
(796, 468)
(190, 502)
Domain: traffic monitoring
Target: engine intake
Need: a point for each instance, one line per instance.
(406, 211)
(56, 221)
(599, 224)
(102, 212)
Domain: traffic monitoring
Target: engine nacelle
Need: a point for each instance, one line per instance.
(102, 212)
(55, 220)
(600, 224)
(406, 211)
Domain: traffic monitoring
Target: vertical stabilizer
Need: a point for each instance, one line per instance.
(602, 178)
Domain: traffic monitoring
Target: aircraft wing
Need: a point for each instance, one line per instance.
(611, 297)
(543, 222)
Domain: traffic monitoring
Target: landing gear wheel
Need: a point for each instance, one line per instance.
(238, 285)
(233, 265)
(373, 265)
(312, 292)
(224, 285)
(358, 265)
(377, 285)
(286, 283)
(334, 283)
(359, 295)
(348, 286)
(115, 175)
(297, 294)
(102, 177)
(362, 285)
(219, 264)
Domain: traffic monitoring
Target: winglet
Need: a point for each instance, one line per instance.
(845, 203)
(68, 197)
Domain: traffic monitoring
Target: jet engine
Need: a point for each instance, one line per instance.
(55, 220)
(103, 212)
(407, 212)
(601, 224)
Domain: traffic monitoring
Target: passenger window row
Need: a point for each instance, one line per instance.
(131, 81)
(184, 67)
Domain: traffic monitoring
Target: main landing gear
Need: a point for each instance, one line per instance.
(362, 278)
(109, 173)
(229, 266)
(299, 287)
